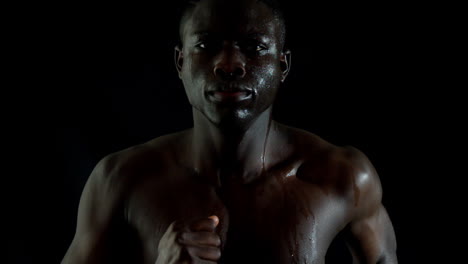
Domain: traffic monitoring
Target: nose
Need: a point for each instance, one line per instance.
(230, 64)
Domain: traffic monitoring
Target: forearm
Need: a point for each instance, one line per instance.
(389, 258)
(81, 252)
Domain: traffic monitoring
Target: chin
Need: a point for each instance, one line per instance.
(234, 120)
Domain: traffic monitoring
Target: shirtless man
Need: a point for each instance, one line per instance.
(238, 187)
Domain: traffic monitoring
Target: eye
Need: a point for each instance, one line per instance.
(253, 46)
(208, 45)
(201, 45)
(259, 48)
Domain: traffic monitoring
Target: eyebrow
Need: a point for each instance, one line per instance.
(256, 35)
(205, 33)
(214, 34)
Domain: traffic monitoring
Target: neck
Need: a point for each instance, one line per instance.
(238, 155)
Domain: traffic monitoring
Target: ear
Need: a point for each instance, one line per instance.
(285, 62)
(178, 59)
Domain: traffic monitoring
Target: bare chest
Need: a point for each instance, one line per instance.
(279, 220)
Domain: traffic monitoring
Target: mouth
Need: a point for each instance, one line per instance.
(230, 95)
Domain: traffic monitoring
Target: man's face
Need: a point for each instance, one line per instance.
(231, 62)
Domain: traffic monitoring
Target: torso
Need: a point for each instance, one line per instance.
(290, 215)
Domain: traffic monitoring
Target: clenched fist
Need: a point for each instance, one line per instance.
(195, 243)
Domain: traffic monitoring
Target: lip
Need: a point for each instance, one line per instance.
(230, 95)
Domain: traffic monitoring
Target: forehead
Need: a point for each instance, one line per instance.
(231, 18)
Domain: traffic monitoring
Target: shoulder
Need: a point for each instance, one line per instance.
(118, 171)
(344, 171)
(366, 187)
(113, 178)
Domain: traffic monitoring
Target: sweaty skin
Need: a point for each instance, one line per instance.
(238, 187)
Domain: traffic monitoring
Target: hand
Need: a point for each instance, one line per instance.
(196, 243)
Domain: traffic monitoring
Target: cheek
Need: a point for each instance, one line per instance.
(189, 71)
(193, 80)
(198, 63)
(197, 71)
(267, 76)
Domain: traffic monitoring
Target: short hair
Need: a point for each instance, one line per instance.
(189, 5)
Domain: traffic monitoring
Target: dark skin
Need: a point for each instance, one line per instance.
(238, 187)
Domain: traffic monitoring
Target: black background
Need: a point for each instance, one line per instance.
(97, 79)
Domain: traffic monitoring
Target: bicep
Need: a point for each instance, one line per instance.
(85, 248)
(370, 233)
(96, 212)
(372, 238)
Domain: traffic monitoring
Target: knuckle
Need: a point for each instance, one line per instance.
(217, 253)
(181, 237)
(192, 251)
(218, 241)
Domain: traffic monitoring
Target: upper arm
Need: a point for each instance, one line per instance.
(370, 234)
(99, 205)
